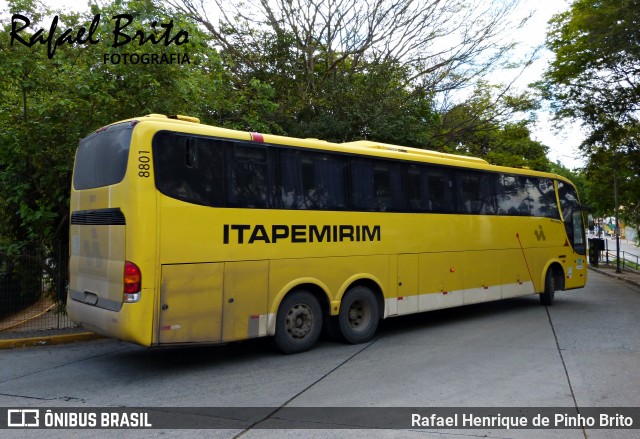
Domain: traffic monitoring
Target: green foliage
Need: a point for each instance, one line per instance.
(486, 125)
(595, 78)
(48, 104)
(373, 104)
(607, 169)
(20, 283)
(260, 79)
(324, 94)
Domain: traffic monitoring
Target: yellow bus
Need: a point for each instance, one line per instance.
(183, 233)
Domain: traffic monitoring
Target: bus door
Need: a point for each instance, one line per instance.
(191, 303)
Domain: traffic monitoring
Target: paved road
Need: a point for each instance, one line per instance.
(582, 352)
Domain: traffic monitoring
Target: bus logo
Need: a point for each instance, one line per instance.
(540, 234)
(245, 233)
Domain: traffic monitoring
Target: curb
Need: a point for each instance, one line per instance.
(616, 275)
(48, 340)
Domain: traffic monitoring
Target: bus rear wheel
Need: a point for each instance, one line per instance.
(548, 296)
(359, 315)
(298, 322)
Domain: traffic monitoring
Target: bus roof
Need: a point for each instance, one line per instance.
(424, 152)
(363, 147)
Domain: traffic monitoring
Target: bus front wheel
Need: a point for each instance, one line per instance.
(548, 296)
(298, 322)
(359, 315)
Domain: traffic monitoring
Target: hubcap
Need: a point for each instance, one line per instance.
(359, 315)
(299, 321)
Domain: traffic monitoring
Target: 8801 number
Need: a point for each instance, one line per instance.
(144, 165)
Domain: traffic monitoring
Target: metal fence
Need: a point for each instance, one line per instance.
(33, 283)
(628, 261)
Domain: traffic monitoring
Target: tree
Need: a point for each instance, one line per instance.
(595, 78)
(595, 75)
(366, 105)
(606, 165)
(47, 104)
(445, 43)
(313, 52)
(493, 124)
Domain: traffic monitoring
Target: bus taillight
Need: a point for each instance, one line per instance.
(132, 282)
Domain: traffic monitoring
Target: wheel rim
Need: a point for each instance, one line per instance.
(299, 321)
(359, 315)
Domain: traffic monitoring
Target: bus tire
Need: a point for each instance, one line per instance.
(548, 296)
(298, 322)
(359, 315)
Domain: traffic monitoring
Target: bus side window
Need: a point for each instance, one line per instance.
(387, 186)
(329, 191)
(291, 185)
(189, 168)
(475, 192)
(512, 195)
(207, 160)
(418, 182)
(526, 196)
(248, 176)
(440, 185)
(362, 187)
(543, 197)
(377, 186)
(311, 181)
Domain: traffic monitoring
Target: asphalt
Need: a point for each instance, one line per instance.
(73, 335)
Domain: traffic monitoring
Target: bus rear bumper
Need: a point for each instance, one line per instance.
(129, 324)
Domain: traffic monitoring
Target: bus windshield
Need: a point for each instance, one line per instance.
(572, 216)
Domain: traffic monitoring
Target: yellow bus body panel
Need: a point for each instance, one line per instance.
(213, 275)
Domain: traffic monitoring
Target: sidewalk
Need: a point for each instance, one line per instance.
(40, 329)
(9, 340)
(627, 275)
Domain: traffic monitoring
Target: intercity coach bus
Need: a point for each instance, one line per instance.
(183, 233)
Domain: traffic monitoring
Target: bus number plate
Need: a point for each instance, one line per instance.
(143, 164)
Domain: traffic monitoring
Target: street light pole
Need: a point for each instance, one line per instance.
(617, 230)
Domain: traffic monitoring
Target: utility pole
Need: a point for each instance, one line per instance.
(617, 230)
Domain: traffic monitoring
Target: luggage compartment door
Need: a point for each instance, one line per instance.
(191, 303)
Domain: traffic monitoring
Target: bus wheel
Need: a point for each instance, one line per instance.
(359, 315)
(298, 323)
(548, 296)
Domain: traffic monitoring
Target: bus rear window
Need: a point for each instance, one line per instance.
(101, 159)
